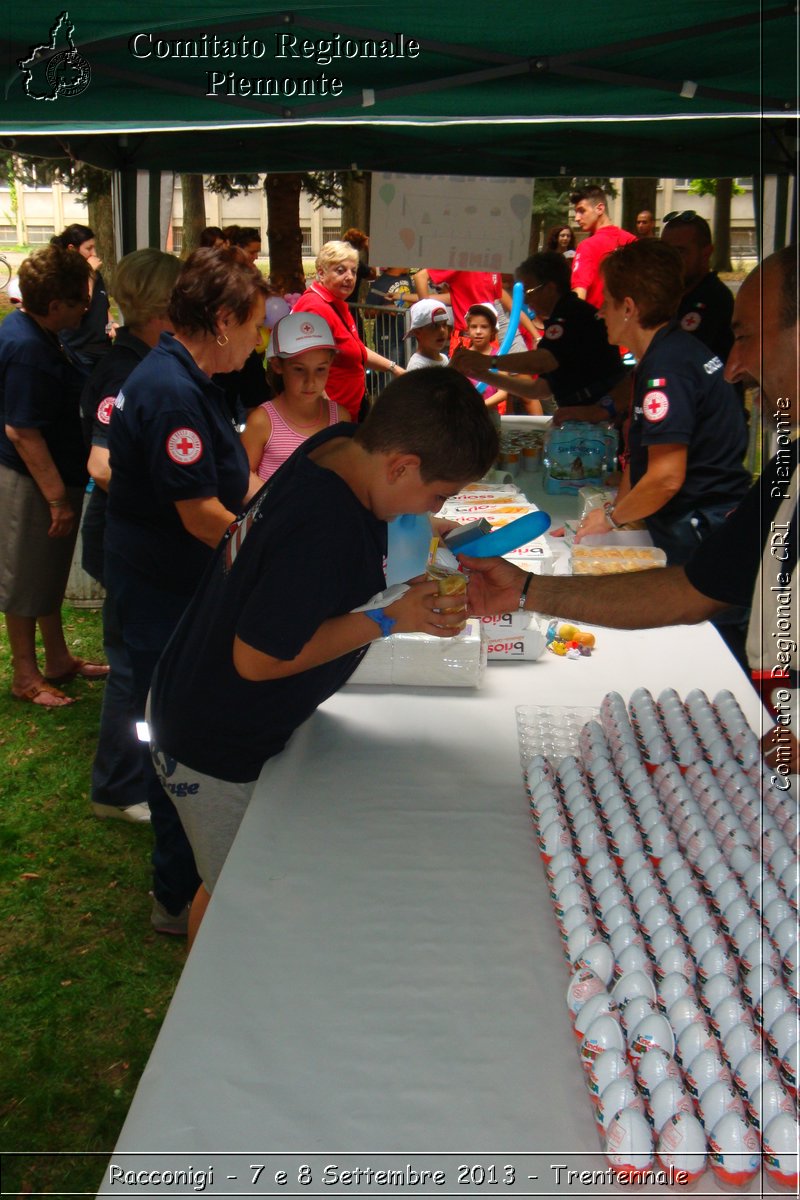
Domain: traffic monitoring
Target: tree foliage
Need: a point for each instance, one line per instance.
(551, 201)
(708, 187)
(91, 185)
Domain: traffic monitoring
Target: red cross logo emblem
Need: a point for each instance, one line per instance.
(184, 447)
(554, 332)
(105, 409)
(655, 406)
(691, 321)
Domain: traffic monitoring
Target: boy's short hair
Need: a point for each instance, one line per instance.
(691, 220)
(438, 415)
(592, 194)
(548, 266)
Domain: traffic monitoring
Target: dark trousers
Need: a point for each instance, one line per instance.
(148, 615)
(117, 768)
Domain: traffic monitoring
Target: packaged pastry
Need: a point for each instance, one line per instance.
(613, 560)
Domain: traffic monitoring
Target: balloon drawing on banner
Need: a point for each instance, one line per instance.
(387, 193)
(275, 308)
(513, 325)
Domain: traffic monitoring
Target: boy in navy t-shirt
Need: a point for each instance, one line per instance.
(271, 632)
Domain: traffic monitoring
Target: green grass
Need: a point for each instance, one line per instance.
(84, 979)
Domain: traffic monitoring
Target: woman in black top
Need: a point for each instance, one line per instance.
(87, 344)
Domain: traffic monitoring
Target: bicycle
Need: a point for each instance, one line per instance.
(6, 271)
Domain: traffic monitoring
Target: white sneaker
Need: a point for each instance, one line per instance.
(134, 812)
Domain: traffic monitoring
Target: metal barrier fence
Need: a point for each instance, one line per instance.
(381, 330)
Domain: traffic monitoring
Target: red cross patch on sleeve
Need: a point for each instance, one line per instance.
(105, 409)
(655, 406)
(184, 447)
(691, 321)
(554, 332)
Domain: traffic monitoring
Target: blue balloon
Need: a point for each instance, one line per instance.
(517, 296)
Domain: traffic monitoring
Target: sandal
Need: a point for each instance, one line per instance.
(31, 694)
(81, 670)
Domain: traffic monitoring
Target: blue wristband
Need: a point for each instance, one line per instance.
(386, 624)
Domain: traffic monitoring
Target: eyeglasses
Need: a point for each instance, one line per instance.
(530, 291)
(686, 216)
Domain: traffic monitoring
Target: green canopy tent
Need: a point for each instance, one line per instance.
(674, 89)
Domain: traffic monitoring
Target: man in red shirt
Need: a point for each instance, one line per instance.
(592, 216)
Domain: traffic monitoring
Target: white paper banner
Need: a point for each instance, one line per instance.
(449, 222)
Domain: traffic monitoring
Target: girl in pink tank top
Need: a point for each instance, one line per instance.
(300, 354)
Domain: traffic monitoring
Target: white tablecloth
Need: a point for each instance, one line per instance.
(379, 971)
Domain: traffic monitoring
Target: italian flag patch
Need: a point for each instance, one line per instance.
(651, 383)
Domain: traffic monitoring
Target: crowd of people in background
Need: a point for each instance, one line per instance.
(185, 411)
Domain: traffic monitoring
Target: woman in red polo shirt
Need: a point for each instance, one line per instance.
(337, 266)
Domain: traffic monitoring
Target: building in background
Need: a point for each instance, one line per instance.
(42, 211)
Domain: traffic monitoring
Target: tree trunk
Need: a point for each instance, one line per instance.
(637, 195)
(721, 231)
(194, 212)
(355, 201)
(283, 235)
(101, 221)
(536, 233)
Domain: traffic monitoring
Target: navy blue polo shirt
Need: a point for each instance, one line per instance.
(707, 312)
(97, 408)
(40, 389)
(681, 398)
(87, 344)
(170, 438)
(587, 364)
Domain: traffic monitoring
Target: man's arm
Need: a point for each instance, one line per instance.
(639, 600)
(520, 385)
(580, 292)
(422, 284)
(531, 362)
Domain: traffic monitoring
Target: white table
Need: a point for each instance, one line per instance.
(379, 972)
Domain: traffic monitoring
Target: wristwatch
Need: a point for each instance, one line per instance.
(384, 623)
(608, 509)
